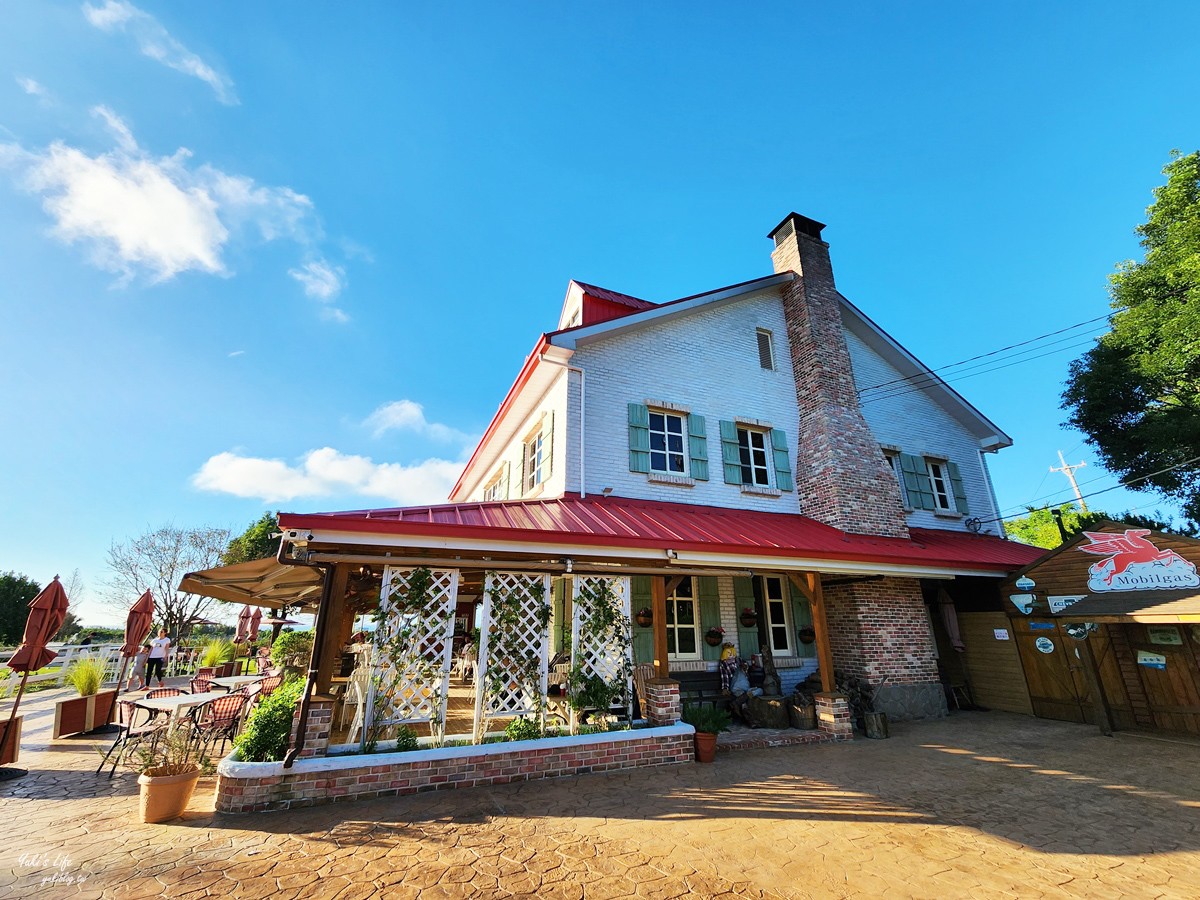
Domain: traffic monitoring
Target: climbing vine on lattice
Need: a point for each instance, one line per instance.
(512, 650)
(601, 646)
(413, 644)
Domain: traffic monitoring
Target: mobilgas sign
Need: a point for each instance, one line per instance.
(1133, 563)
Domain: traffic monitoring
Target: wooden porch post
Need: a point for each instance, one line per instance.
(332, 648)
(809, 584)
(658, 605)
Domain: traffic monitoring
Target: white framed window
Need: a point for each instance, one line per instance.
(535, 462)
(668, 432)
(771, 591)
(939, 480)
(683, 623)
(752, 451)
(495, 489)
(766, 349)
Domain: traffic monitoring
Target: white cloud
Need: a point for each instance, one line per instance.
(327, 471)
(31, 87)
(155, 42)
(157, 216)
(233, 353)
(323, 283)
(408, 415)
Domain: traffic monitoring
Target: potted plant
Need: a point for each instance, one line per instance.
(748, 617)
(644, 617)
(168, 768)
(714, 636)
(93, 708)
(218, 655)
(708, 721)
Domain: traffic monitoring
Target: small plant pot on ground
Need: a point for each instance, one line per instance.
(165, 797)
(80, 714)
(802, 716)
(706, 746)
(875, 725)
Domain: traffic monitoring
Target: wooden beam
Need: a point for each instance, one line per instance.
(673, 584)
(331, 651)
(658, 604)
(1091, 673)
(809, 584)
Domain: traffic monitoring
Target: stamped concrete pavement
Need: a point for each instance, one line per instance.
(977, 805)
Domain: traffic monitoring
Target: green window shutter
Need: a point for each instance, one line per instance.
(709, 603)
(558, 605)
(643, 638)
(731, 457)
(783, 464)
(960, 493)
(548, 445)
(698, 447)
(801, 618)
(507, 480)
(916, 481)
(639, 438)
(743, 594)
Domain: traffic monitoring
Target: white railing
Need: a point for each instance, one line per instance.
(56, 670)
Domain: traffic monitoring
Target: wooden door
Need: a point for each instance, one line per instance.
(1057, 687)
(1174, 689)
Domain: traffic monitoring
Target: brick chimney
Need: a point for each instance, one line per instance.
(842, 477)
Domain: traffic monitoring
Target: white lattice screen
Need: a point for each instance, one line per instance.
(513, 648)
(413, 650)
(612, 659)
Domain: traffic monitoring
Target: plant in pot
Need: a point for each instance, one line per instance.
(93, 708)
(709, 721)
(714, 636)
(748, 617)
(218, 654)
(168, 769)
(644, 617)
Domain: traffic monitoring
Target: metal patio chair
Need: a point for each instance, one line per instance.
(133, 733)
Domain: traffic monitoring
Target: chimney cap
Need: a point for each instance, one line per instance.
(798, 223)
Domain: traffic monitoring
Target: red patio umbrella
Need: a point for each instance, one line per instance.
(47, 611)
(137, 629)
(255, 624)
(243, 628)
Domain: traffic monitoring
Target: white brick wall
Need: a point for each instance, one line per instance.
(708, 362)
(918, 425)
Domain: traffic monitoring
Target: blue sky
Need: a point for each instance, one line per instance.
(280, 255)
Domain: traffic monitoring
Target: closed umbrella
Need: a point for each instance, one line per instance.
(255, 624)
(47, 611)
(243, 626)
(137, 629)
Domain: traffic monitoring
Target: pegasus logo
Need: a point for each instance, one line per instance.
(1134, 563)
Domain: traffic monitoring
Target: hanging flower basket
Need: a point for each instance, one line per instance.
(714, 636)
(807, 635)
(749, 618)
(644, 617)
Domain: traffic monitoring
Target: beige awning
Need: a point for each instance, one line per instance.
(263, 582)
(1150, 607)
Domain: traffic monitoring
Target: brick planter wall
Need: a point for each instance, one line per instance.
(256, 787)
(663, 703)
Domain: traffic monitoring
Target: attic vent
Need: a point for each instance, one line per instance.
(785, 231)
(766, 349)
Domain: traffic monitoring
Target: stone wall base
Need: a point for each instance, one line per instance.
(257, 787)
(911, 701)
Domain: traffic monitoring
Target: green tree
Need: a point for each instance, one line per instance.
(1038, 528)
(15, 593)
(256, 542)
(1136, 394)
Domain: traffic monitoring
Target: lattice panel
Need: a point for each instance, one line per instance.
(513, 647)
(412, 652)
(610, 660)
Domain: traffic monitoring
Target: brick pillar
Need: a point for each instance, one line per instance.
(318, 729)
(663, 704)
(833, 716)
(842, 478)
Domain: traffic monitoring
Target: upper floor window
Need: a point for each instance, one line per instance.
(667, 453)
(497, 488)
(932, 482)
(752, 449)
(939, 478)
(766, 349)
(893, 460)
(535, 447)
(755, 455)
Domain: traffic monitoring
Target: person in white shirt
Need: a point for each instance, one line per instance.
(157, 662)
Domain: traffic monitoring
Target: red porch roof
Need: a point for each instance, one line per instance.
(616, 522)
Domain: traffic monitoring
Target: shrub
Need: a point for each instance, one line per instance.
(707, 719)
(216, 652)
(86, 675)
(522, 730)
(270, 725)
(292, 644)
(406, 740)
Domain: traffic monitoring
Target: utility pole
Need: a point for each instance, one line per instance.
(1069, 471)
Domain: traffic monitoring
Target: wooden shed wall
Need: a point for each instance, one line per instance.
(994, 667)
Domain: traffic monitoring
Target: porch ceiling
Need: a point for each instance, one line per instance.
(263, 582)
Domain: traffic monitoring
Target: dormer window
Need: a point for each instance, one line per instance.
(766, 349)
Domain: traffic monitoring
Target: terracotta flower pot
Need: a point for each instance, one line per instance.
(706, 746)
(165, 797)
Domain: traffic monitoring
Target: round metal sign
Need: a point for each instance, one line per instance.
(1025, 583)
(1044, 644)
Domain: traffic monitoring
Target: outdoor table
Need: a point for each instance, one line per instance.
(233, 682)
(177, 705)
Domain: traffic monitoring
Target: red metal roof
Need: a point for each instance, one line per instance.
(616, 522)
(615, 297)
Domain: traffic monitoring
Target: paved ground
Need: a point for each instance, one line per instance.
(978, 805)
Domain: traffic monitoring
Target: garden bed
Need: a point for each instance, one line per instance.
(253, 787)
